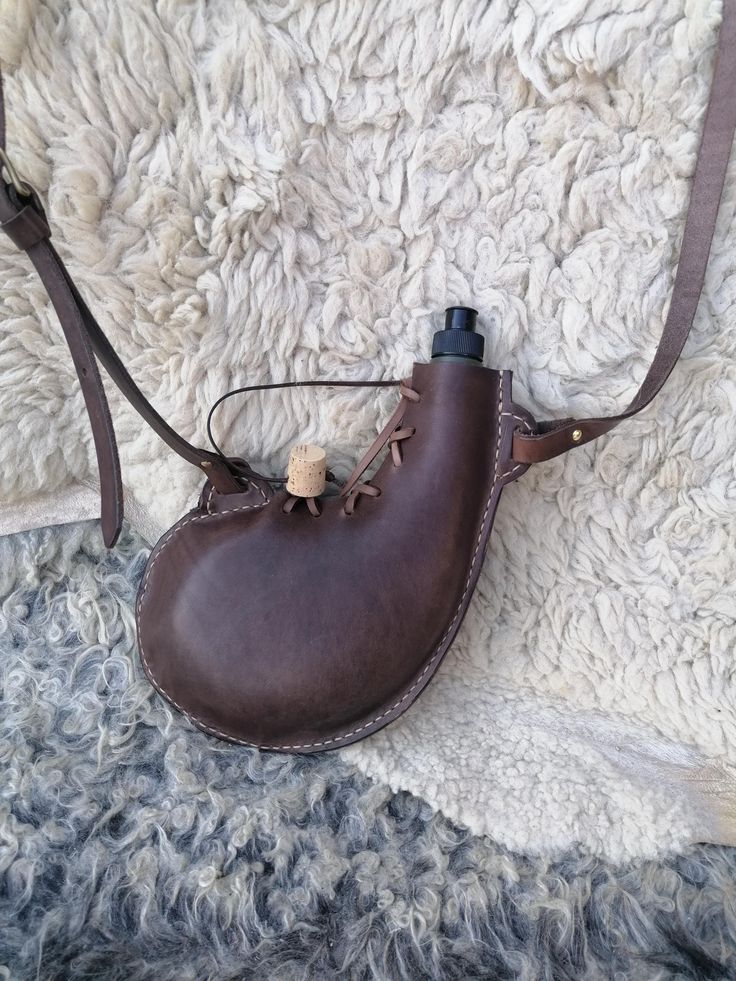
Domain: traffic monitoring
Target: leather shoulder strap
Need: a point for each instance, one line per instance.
(22, 218)
(557, 436)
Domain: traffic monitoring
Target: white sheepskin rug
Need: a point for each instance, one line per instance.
(279, 189)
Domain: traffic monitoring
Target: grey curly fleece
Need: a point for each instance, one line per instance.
(133, 846)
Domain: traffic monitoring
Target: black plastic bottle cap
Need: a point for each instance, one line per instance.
(459, 338)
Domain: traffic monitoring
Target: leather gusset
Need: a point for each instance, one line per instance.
(329, 627)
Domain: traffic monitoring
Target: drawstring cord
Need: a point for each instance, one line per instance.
(242, 468)
(392, 433)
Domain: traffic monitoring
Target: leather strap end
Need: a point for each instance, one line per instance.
(112, 525)
(565, 435)
(219, 474)
(112, 505)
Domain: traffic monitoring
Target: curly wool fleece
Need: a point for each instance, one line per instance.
(135, 848)
(253, 191)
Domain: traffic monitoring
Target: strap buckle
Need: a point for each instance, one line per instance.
(13, 177)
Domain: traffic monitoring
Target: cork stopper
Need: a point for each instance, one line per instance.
(306, 471)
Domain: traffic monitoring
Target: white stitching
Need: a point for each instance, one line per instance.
(524, 422)
(428, 665)
(212, 491)
(511, 415)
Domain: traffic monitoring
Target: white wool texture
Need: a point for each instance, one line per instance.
(259, 191)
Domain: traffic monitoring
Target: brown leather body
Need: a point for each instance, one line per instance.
(296, 632)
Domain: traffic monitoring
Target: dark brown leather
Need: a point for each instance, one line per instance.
(26, 228)
(296, 632)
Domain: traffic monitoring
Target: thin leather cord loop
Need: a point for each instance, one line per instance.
(248, 471)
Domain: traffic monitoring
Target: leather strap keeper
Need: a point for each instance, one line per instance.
(26, 228)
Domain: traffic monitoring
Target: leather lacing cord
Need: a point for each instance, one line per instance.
(313, 505)
(393, 434)
(365, 487)
(246, 471)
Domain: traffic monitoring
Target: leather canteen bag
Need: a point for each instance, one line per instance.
(306, 621)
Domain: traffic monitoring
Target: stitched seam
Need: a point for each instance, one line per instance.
(428, 665)
(510, 473)
(211, 494)
(511, 415)
(518, 466)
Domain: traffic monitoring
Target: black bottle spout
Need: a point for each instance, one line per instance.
(459, 341)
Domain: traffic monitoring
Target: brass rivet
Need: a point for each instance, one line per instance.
(577, 435)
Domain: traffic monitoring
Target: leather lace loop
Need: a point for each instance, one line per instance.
(393, 434)
(246, 470)
(394, 441)
(360, 488)
(313, 505)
